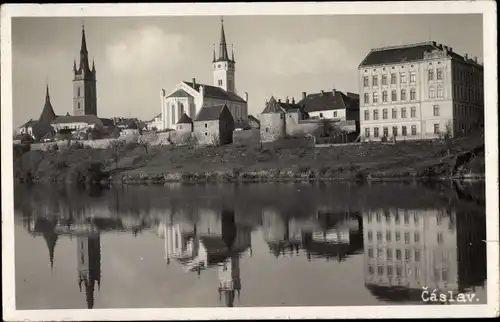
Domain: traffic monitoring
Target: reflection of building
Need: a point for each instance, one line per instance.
(406, 250)
(89, 265)
(229, 279)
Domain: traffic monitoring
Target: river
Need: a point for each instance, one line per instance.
(246, 245)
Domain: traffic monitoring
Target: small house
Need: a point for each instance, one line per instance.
(214, 125)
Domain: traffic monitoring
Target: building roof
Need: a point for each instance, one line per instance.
(252, 118)
(274, 106)
(106, 121)
(89, 119)
(329, 101)
(409, 53)
(179, 93)
(157, 116)
(210, 113)
(28, 124)
(184, 119)
(48, 114)
(216, 92)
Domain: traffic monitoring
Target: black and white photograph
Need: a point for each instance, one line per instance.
(249, 160)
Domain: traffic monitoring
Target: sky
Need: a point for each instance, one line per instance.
(281, 56)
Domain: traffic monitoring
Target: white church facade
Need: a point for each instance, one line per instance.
(189, 97)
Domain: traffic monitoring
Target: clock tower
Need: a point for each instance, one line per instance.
(223, 66)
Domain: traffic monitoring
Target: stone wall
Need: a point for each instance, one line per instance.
(298, 128)
(247, 137)
(272, 127)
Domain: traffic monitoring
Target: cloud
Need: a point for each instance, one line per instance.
(145, 49)
(321, 55)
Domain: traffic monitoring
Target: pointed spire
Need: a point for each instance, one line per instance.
(84, 59)
(232, 53)
(47, 95)
(214, 55)
(74, 65)
(48, 114)
(223, 56)
(93, 65)
(83, 48)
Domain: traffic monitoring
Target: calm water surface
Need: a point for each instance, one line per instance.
(246, 245)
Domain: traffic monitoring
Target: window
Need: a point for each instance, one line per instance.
(367, 98)
(334, 113)
(375, 114)
(206, 125)
(206, 133)
(403, 112)
(370, 252)
(394, 96)
(440, 238)
(439, 74)
(389, 254)
(367, 132)
(413, 111)
(432, 92)
(393, 78)
(370, 236)
(369, 219)
(370, 270)
(395, 133)
(398, 254)
(365, 81)
(435, 111)
(389, 271)
(384, 114)
(394, 113)
(413, 130)
(402, 77)
(79, 105)
(398, 236)
(375, 132)
(78, 91)
(406, 219)
(431, 74)
(436, 128)
(379, 236)
(413, 94)
(407, 237)
(407, 254)
(403, 130)
(380, 270)
(220, 82)
(388, 235)
(444, 274)
(367, 115)
(417, 255)
(384, 96)
(440, 92)
(399, 271)
(267, 129)
(321, 115)
(386, 132)
(379, 252)
(384, 79)
(375, 80)
(416, 236)
(403, 95)
(375, 98)
(413, 77)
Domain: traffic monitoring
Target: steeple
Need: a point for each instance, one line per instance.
(223, 56)
(93, 66)
(215, 59)
(84, 59)
(51, 240)
(48, 114)
(232, 53)
(74, 65)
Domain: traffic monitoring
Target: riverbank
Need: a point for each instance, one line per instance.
(461, 158)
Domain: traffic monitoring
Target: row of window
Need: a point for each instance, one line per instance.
(397, 218)
(439, 274)
(397, 236)
(469, 94)
(467, 78)
(394, 113)
(402, 78)
(396, 254)
(395, 133)
(394, 96)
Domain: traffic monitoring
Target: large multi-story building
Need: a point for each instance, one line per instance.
(419, 91)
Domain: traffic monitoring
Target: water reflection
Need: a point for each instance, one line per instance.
(396, 249)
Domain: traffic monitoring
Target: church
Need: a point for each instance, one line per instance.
(190, 96)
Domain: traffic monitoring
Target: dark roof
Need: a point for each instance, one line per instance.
(179, 93)
(40, 129)
(48, 114)
(184, 119)
(274, 106)
(90, 119)
(107, 122)
(28, 124)
(216, 92)
(252, 118)
(210, 113)
(330, 101)
(408, 53)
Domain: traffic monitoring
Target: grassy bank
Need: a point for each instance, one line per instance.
(231, 163)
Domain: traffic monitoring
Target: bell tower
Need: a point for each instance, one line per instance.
(84, 83)
(223, 66)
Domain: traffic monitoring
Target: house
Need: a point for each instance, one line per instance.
(155, 124)
(281, 119)
(420, 91)
(190, 97)
(214, 125)
(183, 130)
(77, 122)
(253, 122)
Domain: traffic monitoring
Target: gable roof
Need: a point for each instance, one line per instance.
(184, 119)
(330, 101)
(210, 113)
(274, 106)
(252, 118)
(216, 92)
(409, 53)
(179, 93)
(89, 119)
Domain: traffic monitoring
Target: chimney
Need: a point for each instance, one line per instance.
(434, 43)
(202, 91)
(279, 100)
(450, 49)
(287, 100)
(246, 97)
(194, 82)
(322, 92)
(445, 48)
(293, 100)
(466, 56)
(334, 92)
(304, 94)
(475, 59)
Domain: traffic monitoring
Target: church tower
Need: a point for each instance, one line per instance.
(84, 83)
(223, 66)
(89, 265)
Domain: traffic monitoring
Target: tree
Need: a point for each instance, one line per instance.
(447, 137)
(215, 140)
(116, 148)
(142, 141)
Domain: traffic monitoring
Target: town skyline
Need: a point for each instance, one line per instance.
(273, 58)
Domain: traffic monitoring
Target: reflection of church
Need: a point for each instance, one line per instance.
(214, 241)
(329, 235)
(406, 250)
(89, 265)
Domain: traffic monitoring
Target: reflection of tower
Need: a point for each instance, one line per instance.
(51, 240)
(89, 265)
(229, 279)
